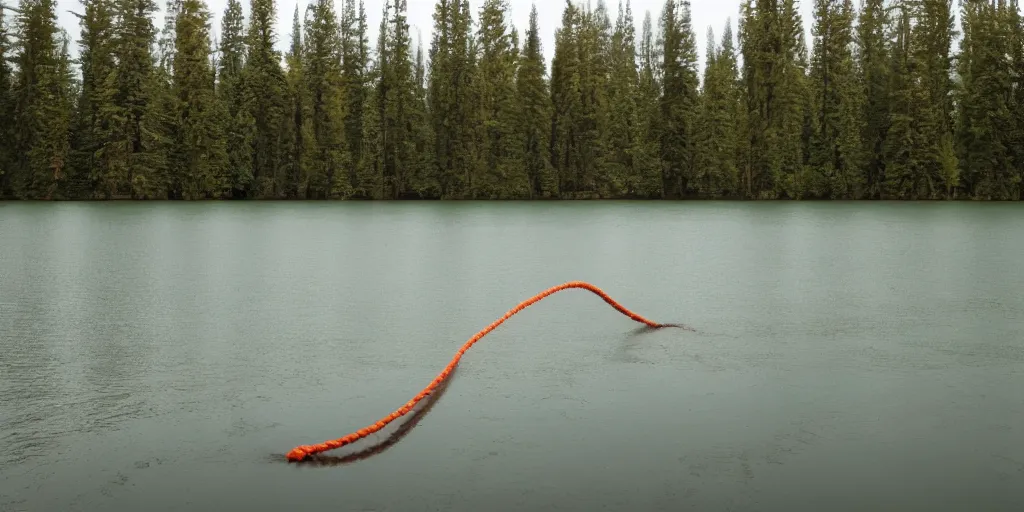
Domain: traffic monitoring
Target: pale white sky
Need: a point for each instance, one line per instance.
(704, 13)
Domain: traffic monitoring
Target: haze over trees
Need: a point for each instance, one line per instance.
(878, 104)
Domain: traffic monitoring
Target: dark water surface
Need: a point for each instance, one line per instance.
(848, 356)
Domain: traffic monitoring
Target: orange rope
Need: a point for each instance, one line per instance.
(301, 452)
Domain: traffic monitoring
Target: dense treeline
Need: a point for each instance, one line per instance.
(877, 106)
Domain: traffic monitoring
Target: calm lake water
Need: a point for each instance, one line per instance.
(847, 356)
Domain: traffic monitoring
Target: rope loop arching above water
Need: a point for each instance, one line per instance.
(301, 452)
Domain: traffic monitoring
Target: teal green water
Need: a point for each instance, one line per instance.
(848, 356)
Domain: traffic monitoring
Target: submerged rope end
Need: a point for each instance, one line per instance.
(676, 326)
(298, 453)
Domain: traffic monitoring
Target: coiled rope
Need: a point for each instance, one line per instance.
(302, 452)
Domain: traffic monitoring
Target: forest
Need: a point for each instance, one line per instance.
(878, 104)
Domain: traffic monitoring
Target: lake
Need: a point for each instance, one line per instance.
(844, 356)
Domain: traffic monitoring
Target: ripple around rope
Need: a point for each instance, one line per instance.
(302, 452)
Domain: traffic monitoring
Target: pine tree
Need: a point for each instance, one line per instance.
(158, 137)
(231, 92)
(298, 142)
(920, 162)
(678, 100)
(423, 179)
(986, 126)
(475, 137)
(1016, 21)
(264, 95)
(535, 121)
(50, 155)
(774, 84)
(390, 160)
(647, 180)
(200, 159)
(504, 175)
(369, 171)
(593, 173)
(399, 150)
(329, 162)
(7, 137)
(836, 140)
(448, 98)
(567, 102)
(805, 109)
(933, 34)
(904, 141)
(91, 124)
(42, 103)
(705, 142)
(132, 161)
(874, 81)
(622, 104)
(717, 137)
(354, 62)
(232, 43)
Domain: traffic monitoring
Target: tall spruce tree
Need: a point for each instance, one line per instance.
(42, 103)
(774, 85)
(328, 162)
(297, 140)
(133, 160)
(369, 167)
(567, 102)
(92, 121)
(535, 120)
(390, 156)
(985, 122)
(399, 143)
(371, 162)
(231, 92)
(354, 62)
(1016, 21)
(835, 152)
(622, 104)
(874, 84)
(476, 137)
(647, 181)
(423, 179)
(7, 139)
(904, 142)
(934, 34)
(448, 98)
(717, 135)
(678, 99)
(504, 175)
(594, 176)
(200, 159)
(265, 99)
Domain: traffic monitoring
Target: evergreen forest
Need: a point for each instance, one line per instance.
(888, 99)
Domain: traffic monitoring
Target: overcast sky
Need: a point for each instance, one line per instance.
(704, 12)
